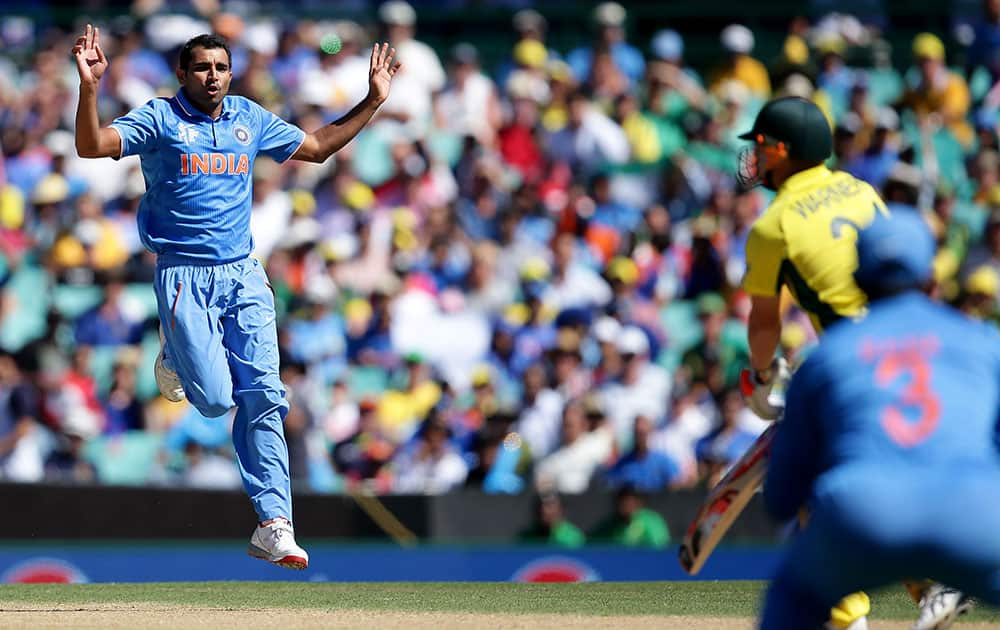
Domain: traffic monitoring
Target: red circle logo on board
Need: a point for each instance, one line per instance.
(555, 569)
(43, 571)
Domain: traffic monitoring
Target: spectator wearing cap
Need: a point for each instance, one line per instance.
(590, 141)
(719, 343)
(114, 321)
(122, 404)
(674, 87)
(581, 453)
(955, 233)
(519, 141)
(875, 161)
(609, 23)
(794, 59)
(95, 242)
(419, 60)
(341, 413)
(486, 291)
(429, 465)
(979, 294)
(986, 253)
(301, 422)
(401, 410)
(642, 468)
(667, 261)
(623, 275)
(846, 144)
(67, 463)
(573, 283)
(529, 24)
(722, 447)
(529, 79)
(738, 43)
(293, 57)
(541, 412)
(569, 376)
(609, 210)
(938, 91)
(835, 78)
(21, 434)
(316, 332)
(340, 78)
(62, 146)
(640, 129)
(49, 210)
(606, 330)
(642, 388)
(536, 332)
(902, 187)
(468, 106)
(362, 456)
(706, 273)
(26, 162)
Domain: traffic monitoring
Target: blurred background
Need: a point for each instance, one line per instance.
(510, 309)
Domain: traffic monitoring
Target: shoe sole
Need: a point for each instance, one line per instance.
(165, 390)
(288, 562)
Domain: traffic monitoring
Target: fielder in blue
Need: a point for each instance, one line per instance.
(890, 437)
(216, 308)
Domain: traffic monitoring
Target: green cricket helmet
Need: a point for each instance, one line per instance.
(793, 121)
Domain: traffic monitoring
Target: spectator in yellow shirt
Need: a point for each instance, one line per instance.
(738, 42)
(940, 92)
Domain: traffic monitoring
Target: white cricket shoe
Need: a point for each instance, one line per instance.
(275, 543)
(166, 379)
(940, 606)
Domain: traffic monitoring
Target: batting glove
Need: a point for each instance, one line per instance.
(756, 387)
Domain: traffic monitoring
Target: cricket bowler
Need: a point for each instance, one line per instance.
(890, 436)
(216, 309)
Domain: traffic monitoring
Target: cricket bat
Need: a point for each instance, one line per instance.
(725, 503)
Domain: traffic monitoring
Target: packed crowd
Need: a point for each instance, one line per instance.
(521, 276)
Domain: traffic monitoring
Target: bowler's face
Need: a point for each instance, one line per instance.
(207, 78)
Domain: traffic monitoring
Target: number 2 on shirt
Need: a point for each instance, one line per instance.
(917, 393)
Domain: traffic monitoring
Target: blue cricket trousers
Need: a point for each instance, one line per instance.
(877, 525)
(221, 338)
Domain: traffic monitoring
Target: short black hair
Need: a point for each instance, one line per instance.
(207, 41)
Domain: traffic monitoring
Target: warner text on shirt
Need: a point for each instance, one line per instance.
(836, 192)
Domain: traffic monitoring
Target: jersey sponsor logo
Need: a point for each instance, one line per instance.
(187, 133)
(215, 164)
(242, 134)
(822, 198)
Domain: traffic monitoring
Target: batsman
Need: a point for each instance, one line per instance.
(805, 241)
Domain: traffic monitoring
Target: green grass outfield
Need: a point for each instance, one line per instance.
(716, 599)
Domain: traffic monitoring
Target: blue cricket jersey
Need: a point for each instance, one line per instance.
(196, 209)
(911, 391)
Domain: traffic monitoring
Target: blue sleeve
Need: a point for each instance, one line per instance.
(278, 139)
(139, 129)
(797, 448)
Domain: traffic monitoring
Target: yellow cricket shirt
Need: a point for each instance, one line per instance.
(805, 240)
